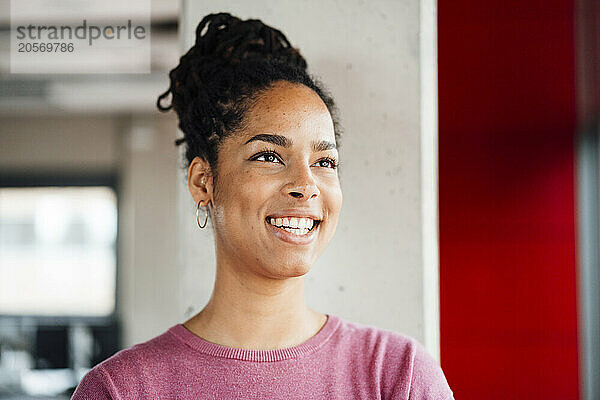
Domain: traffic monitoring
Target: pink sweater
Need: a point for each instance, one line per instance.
(343, 360)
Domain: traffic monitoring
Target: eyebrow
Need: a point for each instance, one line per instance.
(279, 140)
(283, 141)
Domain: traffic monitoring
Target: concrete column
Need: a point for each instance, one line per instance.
(378, 58)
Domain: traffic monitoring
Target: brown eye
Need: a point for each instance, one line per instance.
(327, 163)
(267, 156)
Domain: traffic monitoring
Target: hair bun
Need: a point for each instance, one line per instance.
(231, 39)
(231, 63)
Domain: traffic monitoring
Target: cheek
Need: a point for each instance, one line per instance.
(242, 195)
(251, 190)
(339, 198)
(334, 197)
(333, 203)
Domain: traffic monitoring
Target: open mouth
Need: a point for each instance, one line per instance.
(294, 225)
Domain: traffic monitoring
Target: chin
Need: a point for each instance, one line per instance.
(284, 271)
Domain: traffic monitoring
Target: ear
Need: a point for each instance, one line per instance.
(200, 181)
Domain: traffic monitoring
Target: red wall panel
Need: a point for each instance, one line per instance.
(507, 225)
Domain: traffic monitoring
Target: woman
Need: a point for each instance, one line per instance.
(261, 143)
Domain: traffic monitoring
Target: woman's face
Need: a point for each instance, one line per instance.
(276, 179)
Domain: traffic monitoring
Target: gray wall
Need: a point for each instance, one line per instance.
(378, 60)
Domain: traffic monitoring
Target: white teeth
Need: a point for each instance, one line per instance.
(295, 231)
(295, 225)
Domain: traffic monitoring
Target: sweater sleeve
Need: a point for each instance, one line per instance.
(427, 379)
(94, 386)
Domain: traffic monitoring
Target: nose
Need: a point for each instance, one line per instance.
(302, 184)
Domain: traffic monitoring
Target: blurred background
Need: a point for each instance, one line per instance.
(478, 235)
(87, 198)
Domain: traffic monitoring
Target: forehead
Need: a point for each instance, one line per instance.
(290, 109)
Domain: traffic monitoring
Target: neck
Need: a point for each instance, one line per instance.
(254, 312)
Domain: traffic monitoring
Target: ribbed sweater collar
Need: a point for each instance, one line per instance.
(217, 350)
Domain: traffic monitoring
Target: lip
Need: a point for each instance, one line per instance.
(297, 214)
(289, 237)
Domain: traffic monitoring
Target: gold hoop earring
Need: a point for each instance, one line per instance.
(198, 215)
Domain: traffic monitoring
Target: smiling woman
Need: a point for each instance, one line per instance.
(277, 172)
(262, 150)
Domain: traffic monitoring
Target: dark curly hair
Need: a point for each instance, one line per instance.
(230, 65)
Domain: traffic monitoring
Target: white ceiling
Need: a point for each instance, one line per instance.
(90, 93)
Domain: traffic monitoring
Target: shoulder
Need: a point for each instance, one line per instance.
(94, 386)
(405, 368)
(427, 378)
(143, 358)
(128, 371)
(372, 340)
